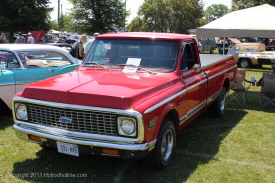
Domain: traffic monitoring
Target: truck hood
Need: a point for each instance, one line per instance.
(99, 88)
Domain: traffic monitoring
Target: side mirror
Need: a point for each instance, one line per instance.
(197, 67)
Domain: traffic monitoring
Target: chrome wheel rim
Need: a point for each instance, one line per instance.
(167, 145)
(222, 107)
(244, 64)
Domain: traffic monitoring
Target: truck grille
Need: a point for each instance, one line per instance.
(82, 121)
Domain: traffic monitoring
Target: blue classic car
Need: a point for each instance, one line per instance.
(23, 64)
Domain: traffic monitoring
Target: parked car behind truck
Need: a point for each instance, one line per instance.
(22, 64)
(128, 99)
(251, 54)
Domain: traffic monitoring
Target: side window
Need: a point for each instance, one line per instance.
(8, 60)
(189, 56)
(45, 59)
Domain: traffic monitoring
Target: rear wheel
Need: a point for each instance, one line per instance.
(218, 108)
(163, 153)
(245, 63)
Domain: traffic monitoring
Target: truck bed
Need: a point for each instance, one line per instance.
(209, 59)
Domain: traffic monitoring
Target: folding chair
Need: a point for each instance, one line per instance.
(239, 88)
(267, 94)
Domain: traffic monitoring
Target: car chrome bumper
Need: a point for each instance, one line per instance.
(22, 131)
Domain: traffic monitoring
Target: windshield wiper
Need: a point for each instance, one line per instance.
(139, 67)
(96, 64)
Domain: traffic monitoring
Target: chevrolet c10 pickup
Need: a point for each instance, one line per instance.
(128, 98)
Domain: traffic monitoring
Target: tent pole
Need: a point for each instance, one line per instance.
(223, 45)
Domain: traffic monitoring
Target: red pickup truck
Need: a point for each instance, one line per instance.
(128, 99)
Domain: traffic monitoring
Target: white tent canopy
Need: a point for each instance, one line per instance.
(256, 21)
(52, 31)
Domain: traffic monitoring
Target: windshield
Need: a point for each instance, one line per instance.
(156, 55)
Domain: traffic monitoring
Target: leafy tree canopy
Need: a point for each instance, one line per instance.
(98, 15)
(168, 16)
(215, 11)
(242, 4)
(24, 15)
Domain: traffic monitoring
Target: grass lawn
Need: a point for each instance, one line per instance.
(237, 148)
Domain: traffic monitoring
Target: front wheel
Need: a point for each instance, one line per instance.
(163, 153)
(218, 108)
(244, 63)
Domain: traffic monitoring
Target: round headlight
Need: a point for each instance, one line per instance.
(21, 112)
(128, 126)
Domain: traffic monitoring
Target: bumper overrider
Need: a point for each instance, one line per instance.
(122, 144)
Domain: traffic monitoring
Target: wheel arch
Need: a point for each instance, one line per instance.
(167, 113)
(173, 116)
(226, 84)
(241, 59)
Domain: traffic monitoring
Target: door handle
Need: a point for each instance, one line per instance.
(203, 76)
(51, 70)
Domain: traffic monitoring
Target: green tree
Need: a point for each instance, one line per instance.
(53, 24)
(215, 11)
(24, 15)
(186, 14)
(136, 25)
(99, 16)
(68, 24)
(170, 15)
(155, 14)
(242, 4)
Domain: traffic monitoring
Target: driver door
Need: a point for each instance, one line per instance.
(194, 80)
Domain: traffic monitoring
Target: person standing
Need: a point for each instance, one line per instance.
(199, 45)
(30, 38)
(83, 41)
(207, 45)
(3, 38)
(20, 38)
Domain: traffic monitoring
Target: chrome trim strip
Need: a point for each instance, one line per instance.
(78, 138)
(26, 82)
(152, 144)
(195, 85)
(172, 97)
(213, 97)
(165, 101)
(21, 83)
(130, 112)
(199, 107)
(222, 72)
(192, 112)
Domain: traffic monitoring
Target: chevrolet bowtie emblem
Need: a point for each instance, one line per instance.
(65, 119)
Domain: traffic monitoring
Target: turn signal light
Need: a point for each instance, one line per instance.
(34, 138)
(110, 152)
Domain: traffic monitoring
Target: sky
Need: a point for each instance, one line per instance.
(131, 5)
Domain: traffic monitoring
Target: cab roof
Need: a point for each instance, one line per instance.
(31, 47)
(146, 35)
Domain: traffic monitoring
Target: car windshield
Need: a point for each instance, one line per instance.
(155, 55)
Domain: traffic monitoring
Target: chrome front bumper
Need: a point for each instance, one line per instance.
(23, 129)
